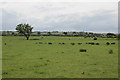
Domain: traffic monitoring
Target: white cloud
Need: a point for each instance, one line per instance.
(59, 0)
(48, 14)
(41, 10)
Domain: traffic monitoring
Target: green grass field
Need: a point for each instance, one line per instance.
(29, 59)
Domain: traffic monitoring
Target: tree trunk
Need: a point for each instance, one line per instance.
(27, 38)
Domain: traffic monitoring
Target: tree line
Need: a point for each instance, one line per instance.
(26, 30)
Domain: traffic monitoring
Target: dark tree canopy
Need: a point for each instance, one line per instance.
(38, 33)
(24, 29)
(118, 36)
(49, 33)
(65, 33)
(111, 35)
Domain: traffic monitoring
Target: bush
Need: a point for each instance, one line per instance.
(40, 42)
(87, 43)
(59, 43)
(110, 51)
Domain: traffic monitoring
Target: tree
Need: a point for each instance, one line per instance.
(24, 29)
(13, 33)
(110, 35)
(39, 33)
(65, 33)
(118, 36)
(49, 33)
(4, 33)
(73, 33)
(8, 33)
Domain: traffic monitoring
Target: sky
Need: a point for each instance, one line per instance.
(101, 17)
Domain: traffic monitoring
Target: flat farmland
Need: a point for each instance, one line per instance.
(59, 57)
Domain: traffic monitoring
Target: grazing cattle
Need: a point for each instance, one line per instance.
(113, 43)
(97, 44)
(72, 43)
(89, 43)
(92, 43)
(49, 43)
(107, 43)
(79, 43)
(63, 43)
(94, 38)
(83, 50)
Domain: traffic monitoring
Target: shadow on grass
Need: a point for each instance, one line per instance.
(34, 39)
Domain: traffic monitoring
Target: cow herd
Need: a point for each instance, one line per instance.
(81, 50)
(62, 43)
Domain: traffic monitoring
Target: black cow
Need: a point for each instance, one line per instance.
(83, 50)
(97, 44)
(113, 43)
(72, 43)
(49, 43)
(107, 43)
(79, 43)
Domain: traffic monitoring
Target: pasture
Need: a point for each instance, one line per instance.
(59, 57)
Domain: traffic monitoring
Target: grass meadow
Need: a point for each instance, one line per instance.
(40, 59)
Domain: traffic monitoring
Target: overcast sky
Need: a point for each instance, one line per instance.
(61, 16)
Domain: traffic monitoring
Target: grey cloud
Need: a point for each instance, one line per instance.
(104, 21)
(100, 22)
(9, 20)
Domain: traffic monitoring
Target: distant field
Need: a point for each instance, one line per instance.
(38, 59)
